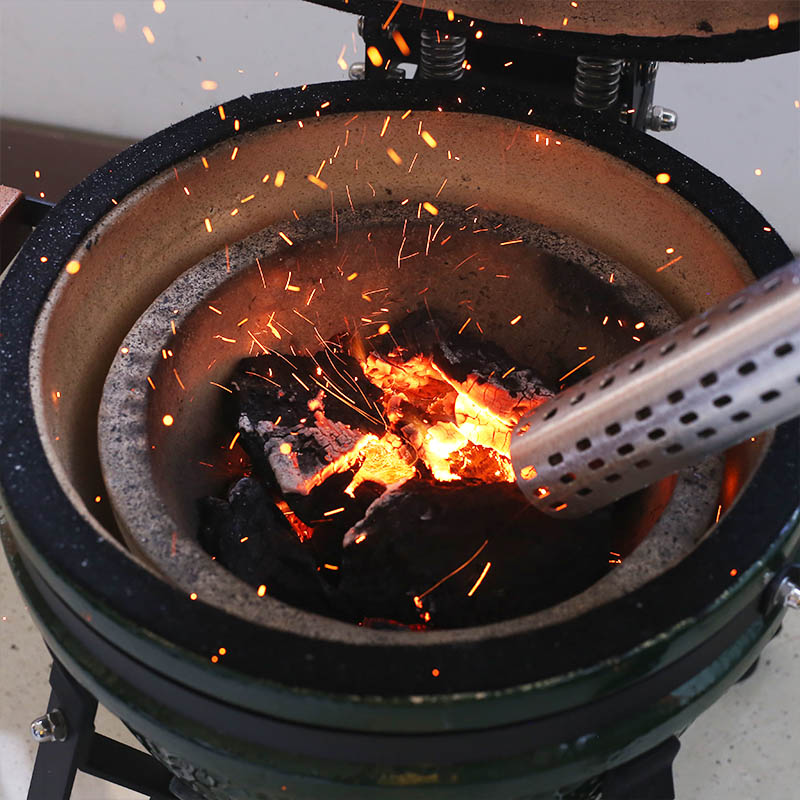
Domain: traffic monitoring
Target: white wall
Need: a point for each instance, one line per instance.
(63, 62)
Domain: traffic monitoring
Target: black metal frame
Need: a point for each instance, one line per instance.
(85, 750)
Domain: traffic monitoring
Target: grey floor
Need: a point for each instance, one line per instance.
(746, 747)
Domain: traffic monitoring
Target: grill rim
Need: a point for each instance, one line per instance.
(131, 597)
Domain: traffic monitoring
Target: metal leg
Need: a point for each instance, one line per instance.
(61, 748)
(647, 777)
(68, 743)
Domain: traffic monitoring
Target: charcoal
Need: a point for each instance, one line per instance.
(249, 535)
(416, 535)
(303, 418)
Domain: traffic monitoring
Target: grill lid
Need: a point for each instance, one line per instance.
(664, 30)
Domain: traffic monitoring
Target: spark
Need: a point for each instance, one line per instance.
(669, 263)
(773, 20)
(385, 125)
(479, 34)
(374, 55)
(461, 263)
(73, 267)
(461, 329)
(233, 441)
(384, 328)
(317, 181)
(209, 86)
(402, 44)
(528, 473)
(203, 158)
(280, 177)
(516, 319)
(265, 178)
(285, 448)
(564, 22)
(352, 276)
(450, 15)
(407, 114)
(233, 154)
(719, 512)
(639, 325)
(391, 15)
(450, 575)
(428, 139)
(430, 208)
(663, 177)
(159, 6)
(150, 381)
(507, 373)
(331, 566)
(193, 596)
(222, 651)
(247, 199)
(37, 174)
(215, 310)
(413, 161)
(480, 579)
(167, 420)
(119, 22)
(262, 590)
(582, 364)
(360, 538)
(208, 224)
(757, 171)
(220, 386)
(669, 251)
(285, 238)
(178, 378)
(511, 241)
(333, 511)
(148, 34)
(392, 153)
(214, 659)
(734, 572)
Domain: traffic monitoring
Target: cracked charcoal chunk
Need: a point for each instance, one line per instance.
(271, 554)
(420, 533)
(304, 418)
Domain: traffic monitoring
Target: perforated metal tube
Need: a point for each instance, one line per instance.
(710, 383)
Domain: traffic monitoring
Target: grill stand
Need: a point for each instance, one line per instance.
(82, 748)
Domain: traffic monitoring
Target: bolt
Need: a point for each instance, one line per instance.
(789, 594)
(52, 727)
(357, 71)
(661, 119)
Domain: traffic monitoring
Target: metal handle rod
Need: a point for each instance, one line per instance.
(713, 381)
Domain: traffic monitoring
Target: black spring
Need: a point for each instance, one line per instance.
(597, 82)
(441, 55)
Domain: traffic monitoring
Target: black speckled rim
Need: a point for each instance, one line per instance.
(65, 544)
(728, 47)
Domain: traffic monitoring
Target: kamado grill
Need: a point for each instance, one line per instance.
(295, 560)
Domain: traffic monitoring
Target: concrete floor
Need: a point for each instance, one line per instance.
(746, 747)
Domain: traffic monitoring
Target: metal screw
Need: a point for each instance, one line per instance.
(357, 71)
(661, 119)
(52, 727)
(788, 594)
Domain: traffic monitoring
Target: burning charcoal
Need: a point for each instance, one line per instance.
(250, 536)
(304, 418)
(436, 553)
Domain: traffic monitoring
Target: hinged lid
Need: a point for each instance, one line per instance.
(663, 30)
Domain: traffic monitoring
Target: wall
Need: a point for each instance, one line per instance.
(63, 62)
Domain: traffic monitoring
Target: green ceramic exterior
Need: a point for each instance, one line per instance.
(537, 774)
